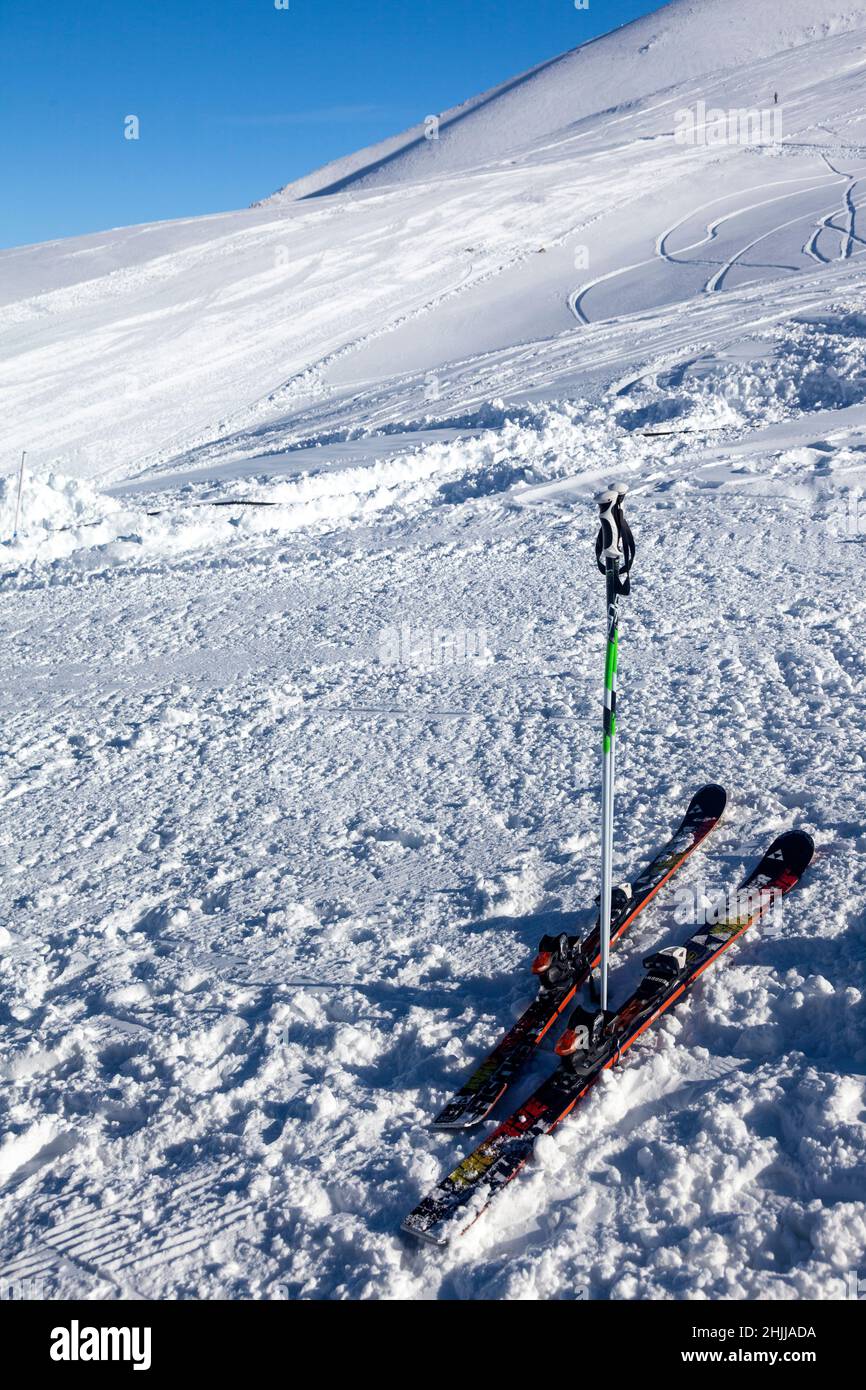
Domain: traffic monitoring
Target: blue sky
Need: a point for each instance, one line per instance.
(236, 97)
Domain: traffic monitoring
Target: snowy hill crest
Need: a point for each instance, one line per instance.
(689, 38)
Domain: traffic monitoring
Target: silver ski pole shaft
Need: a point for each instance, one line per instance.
(614, 552)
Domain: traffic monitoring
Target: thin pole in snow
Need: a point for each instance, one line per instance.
(614, 551)
(18, 499)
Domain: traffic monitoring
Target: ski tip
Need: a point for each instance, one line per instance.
(796, 848)
(710, 801)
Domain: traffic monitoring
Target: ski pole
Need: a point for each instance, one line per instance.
(614, 553)
(18, 499)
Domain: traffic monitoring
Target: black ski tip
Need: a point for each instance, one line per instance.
(709, 801)
(796, 849)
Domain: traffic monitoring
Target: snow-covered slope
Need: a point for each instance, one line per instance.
(682, 40)
(289, 792)
(131, 347)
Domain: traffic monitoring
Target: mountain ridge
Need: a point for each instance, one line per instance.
(534, 104)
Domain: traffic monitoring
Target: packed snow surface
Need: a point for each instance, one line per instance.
(303, 647)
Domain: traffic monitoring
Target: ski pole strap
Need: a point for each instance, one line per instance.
(615, 540)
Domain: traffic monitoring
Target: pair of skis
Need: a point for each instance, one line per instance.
(592, 1042)
(564, 964)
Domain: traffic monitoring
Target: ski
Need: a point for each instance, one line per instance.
(594, 1043)
(564, 964)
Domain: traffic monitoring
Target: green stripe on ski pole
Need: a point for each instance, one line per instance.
(610, 663)
(609, 737)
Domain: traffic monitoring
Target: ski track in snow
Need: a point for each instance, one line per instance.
(269, 893)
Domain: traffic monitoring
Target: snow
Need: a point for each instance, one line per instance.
(288, 793)
(691, 38)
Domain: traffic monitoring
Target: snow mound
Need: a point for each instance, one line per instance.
(796, 368)
(68, 526)
(48, 505)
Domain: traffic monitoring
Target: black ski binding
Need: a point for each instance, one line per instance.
(558, 961)
(584, 1034)
(620, 897)
(669, 963)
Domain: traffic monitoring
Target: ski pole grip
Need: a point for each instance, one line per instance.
(610, 509)
(615, 541)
